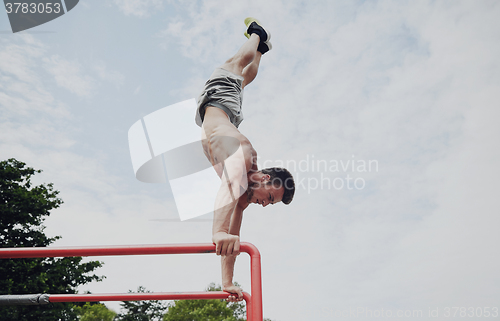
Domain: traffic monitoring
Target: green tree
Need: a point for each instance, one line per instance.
(151, 310)
(23, 209)
(94, 312)
(205, 310)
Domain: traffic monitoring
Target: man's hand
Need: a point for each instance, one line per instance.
(226, 244)
(237, 294)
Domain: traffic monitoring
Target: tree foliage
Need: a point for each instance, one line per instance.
(151, 310)
(94, 312)
(23, 210)
(205, 310)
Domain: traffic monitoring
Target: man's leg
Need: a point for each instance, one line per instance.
(244, 57)
(250, 71)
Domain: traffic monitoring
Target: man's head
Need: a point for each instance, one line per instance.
(270, 186)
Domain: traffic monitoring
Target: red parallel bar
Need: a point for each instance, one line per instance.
(256, 283)
(149, 296)
(31, 252)
(142, 296)
(256, 280)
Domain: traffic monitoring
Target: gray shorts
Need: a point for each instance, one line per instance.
(223, 90)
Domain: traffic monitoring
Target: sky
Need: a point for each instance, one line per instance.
(385, 112)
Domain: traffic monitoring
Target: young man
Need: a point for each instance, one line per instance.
(232, 155)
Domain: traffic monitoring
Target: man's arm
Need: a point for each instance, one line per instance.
(227, 218)
(226, 242)
(227, 261)
(233, 178)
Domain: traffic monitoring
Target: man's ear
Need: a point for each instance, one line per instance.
(265, 177)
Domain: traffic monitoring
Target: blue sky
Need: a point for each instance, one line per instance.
(412, 85)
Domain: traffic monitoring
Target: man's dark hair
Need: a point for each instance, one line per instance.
(281, 177)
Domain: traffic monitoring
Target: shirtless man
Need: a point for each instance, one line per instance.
(232, 155)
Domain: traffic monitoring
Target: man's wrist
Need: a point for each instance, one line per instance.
(226, 285)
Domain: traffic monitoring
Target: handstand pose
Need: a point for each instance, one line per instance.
(232, 155)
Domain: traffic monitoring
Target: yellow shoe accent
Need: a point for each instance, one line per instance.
(248, 21)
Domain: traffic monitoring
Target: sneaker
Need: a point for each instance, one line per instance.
(264, 47)
(248, 21)
(254, 26)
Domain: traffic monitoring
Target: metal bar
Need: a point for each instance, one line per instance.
(32, 252)
(140, 296)
(254, 305)
(24, 299)
(53, 298)
(42, 299)
(256, 279)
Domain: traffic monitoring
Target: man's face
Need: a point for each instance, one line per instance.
(265, 194)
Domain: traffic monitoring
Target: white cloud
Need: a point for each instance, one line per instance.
(69, 75)
(113, 77)
(204, 35)
(139, 8)
(21, 90)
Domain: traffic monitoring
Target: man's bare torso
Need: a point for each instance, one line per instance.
(216, 129)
